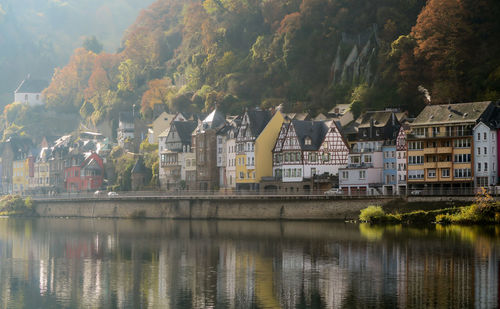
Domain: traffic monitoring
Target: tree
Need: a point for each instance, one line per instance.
(92, 44)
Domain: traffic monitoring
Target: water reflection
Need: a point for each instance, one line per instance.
(61, 263)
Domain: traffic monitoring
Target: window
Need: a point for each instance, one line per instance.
(345, 174)
(462, 173)
(416, 174)
(362, 174)
(313, 171)
(368, 159)
(485, 136)
(485, 150)
(462, 158)
(445, 172)
(413, 160)
(462, 143)
(307, 141)
(479, 167)
(478, 136)
(485, 166)
(242, 175)
(478, 150)
(431, 173)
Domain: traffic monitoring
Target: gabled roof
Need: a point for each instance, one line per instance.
(30, 85)
(379, 118)
(258, 120)
(315, 130)
(185, 129)
(214, 120)
(127, 117)
(452, 113)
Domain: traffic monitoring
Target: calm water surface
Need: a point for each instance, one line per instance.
(80, 263)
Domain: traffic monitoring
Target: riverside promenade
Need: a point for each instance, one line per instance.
(219, 206)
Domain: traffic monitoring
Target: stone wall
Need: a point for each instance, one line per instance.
(257, 208)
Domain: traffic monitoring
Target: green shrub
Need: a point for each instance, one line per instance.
(372, 214)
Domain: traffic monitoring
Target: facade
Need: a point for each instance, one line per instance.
(306, 150)
(174, 145)
(364, 173)
(126, 128)
(30, 91)
(252, 124)
(206, 146)
(20, 175)
(231, 133)
(401, 149)
(389, 174)
(441, 147)
(485, 157)
(159, 125)
(84, 172)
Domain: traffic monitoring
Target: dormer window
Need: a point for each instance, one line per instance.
(308, 141)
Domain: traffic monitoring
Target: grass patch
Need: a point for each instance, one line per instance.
(15, 205)
(375, 214)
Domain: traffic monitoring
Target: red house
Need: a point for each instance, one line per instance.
(84, 172)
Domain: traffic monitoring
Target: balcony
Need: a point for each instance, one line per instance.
(430, 165)
(444, 164)
(440, 134)
(362, 165)
(444, 150)
(430, 150)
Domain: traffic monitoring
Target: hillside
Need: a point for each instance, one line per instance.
(38, 35)
(186, 55)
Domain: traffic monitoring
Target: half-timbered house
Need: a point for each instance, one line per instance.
(307, 152)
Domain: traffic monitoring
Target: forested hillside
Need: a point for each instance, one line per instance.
(187, 55)
(38, 35)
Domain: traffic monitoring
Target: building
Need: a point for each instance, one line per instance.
(30, 91)
(159, 125)
(485, 155)
(306, 154)
(441, 147)
(364, 173)
(83, 172)
(254, 144)
(389, 173)
(176, 154)
(231, 133)
(126, 128)
(206, 146)
(138, 174)
(401, 149)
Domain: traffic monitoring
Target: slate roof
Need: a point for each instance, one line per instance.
(380, 118)
(258, 121)
(454, 113)
(316, 130)
(214, 120)
(30, 85)
(139, 167)
(127, 117)
(185, 129)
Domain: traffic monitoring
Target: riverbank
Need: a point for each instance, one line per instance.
(484, 210)
(227, 207)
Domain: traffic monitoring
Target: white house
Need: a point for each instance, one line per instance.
(364, 172)
(30, 91)
(485, 155)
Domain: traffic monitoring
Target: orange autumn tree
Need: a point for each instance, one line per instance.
(66, 91)
(158, 93)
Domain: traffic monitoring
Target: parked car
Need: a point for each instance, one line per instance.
(416, 192)
(334, 191)
(112, 193)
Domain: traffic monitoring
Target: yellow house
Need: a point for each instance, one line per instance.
(254, 144)
(20, 175)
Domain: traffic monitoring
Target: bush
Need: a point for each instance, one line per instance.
(16, 205)
(372, 214)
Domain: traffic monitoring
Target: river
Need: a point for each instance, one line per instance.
(91, 263)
